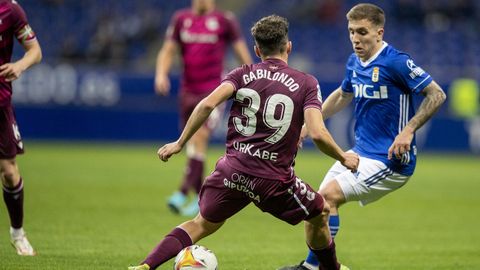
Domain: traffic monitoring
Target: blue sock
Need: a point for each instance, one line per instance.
(334, 224)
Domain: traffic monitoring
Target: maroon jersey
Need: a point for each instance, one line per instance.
(13, 23)
(203, 41)
(267, 116)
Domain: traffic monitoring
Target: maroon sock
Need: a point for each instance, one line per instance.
(327, 257)
(13, 198)
(193, 176)
(168, 248)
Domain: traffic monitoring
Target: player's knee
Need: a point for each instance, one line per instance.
(10, 175)
(326, 208)
(325, 213)
(331, 196)
(321, 219)
(196, 149)
(206, 227)
(201, 136)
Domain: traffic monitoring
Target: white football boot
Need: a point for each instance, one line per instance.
(19, 241)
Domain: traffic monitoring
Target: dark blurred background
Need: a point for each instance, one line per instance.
(96, 78)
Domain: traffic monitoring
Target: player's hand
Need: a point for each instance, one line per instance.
(303, 136)
(162, 85)
(351, 161)
(166, 151)
(11, 71)
(401, 144)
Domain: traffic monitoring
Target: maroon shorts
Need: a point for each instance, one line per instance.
(10, 140)
(227, 191)
(188, 102)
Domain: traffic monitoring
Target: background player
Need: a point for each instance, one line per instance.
(201, 34)
(271, 101)
(381, 80)
(13, 24)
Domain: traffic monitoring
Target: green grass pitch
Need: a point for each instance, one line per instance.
(102, 206)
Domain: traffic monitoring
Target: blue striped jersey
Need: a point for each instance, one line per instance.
(383, 88)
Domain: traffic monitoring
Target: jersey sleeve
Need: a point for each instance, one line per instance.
(313, 95)
(173, 29)
(409, 75)
(23, 31)
(234, 77)
(347, 80)
(234, 32)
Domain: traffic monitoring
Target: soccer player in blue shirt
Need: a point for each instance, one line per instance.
(381, 80)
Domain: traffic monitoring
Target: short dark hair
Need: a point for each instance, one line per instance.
(271, 34)
(370, 12)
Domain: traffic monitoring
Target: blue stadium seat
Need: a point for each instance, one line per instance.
(62, 23)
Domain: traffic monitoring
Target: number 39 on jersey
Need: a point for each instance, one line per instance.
(274, 103)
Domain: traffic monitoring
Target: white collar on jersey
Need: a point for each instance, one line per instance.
(366, 63)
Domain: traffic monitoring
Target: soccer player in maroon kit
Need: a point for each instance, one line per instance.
(271, 101)
(201, 34)
(13, 24)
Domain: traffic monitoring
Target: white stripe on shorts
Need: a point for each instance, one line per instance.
(301, 205)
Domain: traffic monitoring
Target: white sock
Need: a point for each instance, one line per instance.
(16, 233)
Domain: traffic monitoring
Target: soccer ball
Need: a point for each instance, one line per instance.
(195, 258)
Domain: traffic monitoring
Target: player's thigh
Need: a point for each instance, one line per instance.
(291, 201)
(220, 196)
(372, 181)
(198, 143)
(216, 117)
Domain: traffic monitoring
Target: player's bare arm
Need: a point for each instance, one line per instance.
(303, 136)
(33, 55)
(336, 102)
(241, 51)
(163, 66)
(434, 98)
(324, 141)
(199, 116)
